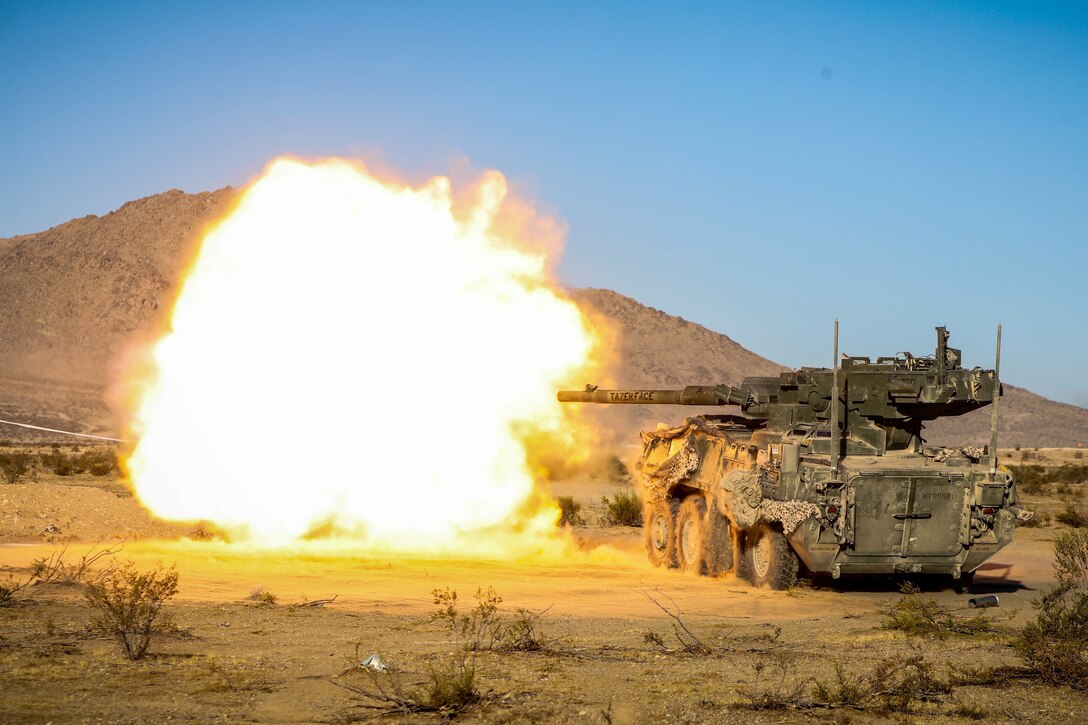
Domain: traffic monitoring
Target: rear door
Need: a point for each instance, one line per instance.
(936, 515)
(906, 515)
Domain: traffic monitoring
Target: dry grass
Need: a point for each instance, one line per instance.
(893, 684)
(919, 616)
(128, 604)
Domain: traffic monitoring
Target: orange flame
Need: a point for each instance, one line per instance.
(361, 357)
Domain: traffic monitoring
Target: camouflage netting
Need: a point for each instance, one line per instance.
(789, 513)
(972, 452)
(690, 426)
(677, 468)
(738, 497)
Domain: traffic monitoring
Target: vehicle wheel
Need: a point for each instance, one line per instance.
(659, 532)
(768, 559)
(691, 535)
(719, 544)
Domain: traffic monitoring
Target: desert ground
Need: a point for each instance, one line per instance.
(614, 640)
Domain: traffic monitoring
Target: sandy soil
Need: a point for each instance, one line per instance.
(237, 661)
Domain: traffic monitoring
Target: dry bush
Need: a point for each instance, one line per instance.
(920, 616)
(623, 509)
(523, 634)
(1055, 645)
(261, 597)
(450, 685)
(11, 587)
(894, 684)
(128, 604)
(14, 466)
(59, 569)
(450, 682)
(1071, 559)
(100, 461)
(1073, 515)
(570, 511)
(482, 628)
(689, 641)
(448, 690)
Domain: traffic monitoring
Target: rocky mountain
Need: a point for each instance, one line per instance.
(75, 298)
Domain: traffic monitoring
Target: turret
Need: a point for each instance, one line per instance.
(882, 404)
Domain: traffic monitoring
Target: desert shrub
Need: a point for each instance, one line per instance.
(95, 461)
(262, 597)
(893, 684)
(1071, 559)
(1072, 515)
(451, 688)
(10, 587)
(1071, 472)
(689, 641)
(1055, 645)
(128, 604)
(14, 466)
(523, 633)
(59, 462)
(98, 462)
(969, 712)
(450, 684)
(1078, 454)
(618, 470)
(570, 511)
(58, 567)
(920, 616)
(623, 509)
(1030, 478)
(451, 680)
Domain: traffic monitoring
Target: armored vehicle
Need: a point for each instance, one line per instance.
(826, 468)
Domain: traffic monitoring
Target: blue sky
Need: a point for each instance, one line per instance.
(758, 168)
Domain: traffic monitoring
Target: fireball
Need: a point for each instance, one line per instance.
(364, 358)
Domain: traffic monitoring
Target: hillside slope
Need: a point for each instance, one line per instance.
(73, 297)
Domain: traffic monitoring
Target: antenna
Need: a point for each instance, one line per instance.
(835, 438)
(997, 402)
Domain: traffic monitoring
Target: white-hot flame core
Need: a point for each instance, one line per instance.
(357, 355)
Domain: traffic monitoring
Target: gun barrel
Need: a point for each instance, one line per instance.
(691, 395)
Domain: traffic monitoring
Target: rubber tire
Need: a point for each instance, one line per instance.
(779, 569)
(719, 546)
(663, 514)
(691, 536)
